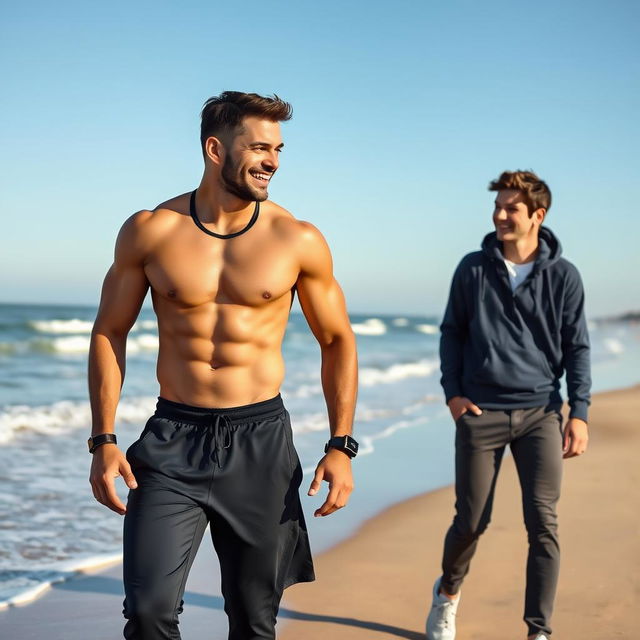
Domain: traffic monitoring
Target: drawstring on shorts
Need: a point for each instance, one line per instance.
(221, 436)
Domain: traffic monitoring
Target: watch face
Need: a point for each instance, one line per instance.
(351, 445)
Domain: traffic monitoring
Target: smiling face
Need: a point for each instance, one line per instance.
(251, 159)
(511, 217)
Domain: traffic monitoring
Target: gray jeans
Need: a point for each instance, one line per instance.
(535, 438)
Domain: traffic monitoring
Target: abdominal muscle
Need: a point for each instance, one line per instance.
(220, 355)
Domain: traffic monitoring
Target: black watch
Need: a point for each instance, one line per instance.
(346, 444)
(103, 438)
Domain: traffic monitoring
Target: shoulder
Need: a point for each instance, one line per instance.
(471, 260)
(566, 276)
(566, 270)
(303, 239)
(299, 233)
(143, 230)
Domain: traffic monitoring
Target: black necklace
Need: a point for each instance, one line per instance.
(194, 215)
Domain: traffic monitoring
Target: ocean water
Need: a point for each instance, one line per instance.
(50, 523)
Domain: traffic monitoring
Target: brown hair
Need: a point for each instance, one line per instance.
(535, 192)
(224, 114)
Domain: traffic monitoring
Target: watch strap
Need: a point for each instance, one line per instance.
(102, 438)
(346, 444)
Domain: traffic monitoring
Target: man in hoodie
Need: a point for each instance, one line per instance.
(513, 325)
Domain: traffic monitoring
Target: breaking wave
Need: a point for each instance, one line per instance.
(65, 416)
(370, 327)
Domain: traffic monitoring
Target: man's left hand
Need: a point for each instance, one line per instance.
(575, 439)
(335, 468)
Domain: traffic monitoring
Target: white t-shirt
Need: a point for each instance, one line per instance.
(518, 272)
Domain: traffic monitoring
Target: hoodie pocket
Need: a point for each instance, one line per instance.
(514, 367)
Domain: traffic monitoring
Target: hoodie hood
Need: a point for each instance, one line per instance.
(549, 252)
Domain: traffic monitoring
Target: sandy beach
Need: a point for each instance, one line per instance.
(377, 583)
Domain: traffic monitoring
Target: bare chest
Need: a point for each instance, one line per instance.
(191, 269)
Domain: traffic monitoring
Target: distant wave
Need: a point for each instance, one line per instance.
(370, 327)
(77, 326)
(65, 416)
(429, 329)
(366, 442)
(400, 322)
(305, 391)
(369, 376)
(614, 346)
(69, 344)
(61, 326)
(80, 344)
(396, 426)
(143, 342)
(62, 417)
(318, 421)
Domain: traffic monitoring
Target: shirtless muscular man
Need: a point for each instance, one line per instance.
(223, 264)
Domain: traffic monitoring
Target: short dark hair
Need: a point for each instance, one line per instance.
(224, 114)
(535, 192)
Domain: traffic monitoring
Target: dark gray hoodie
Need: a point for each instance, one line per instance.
(508, 350)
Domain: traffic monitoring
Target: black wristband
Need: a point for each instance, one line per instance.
(346, 444)
(103, 438)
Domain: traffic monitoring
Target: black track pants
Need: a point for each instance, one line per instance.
(535, 438)
(237, 470)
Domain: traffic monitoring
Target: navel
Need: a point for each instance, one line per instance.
(172, 293)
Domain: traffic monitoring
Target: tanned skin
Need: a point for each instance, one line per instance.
(223, 305)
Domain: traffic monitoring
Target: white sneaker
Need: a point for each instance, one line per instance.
(441, 622)
(542, 636)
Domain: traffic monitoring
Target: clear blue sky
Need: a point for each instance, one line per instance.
(403, 111)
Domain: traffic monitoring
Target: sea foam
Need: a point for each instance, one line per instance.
(370, 376)
(370, 327)
(429, 329)
(80, 344)
(65, 416)
(614, 346)
(41, 581)
(61, 326)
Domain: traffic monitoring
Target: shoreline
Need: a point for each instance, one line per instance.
(389, 560)
(62, 574)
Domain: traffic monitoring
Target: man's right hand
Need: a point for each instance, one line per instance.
(109, 463)
(459, 405)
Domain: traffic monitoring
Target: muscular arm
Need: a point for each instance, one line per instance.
(123, 292)
(324, 307)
